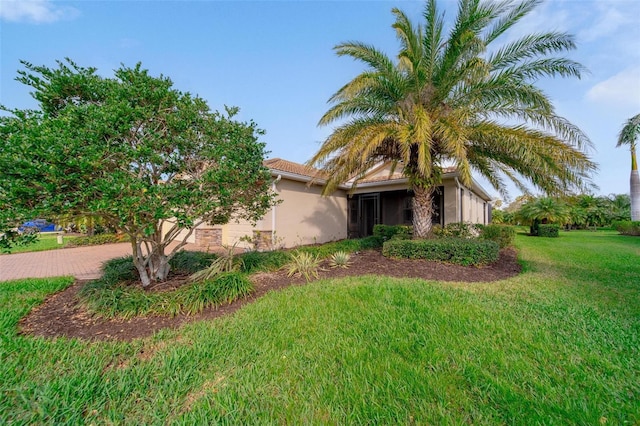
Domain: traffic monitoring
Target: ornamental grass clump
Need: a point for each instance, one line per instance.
(340, 259)
(303, 264)
(226, 262)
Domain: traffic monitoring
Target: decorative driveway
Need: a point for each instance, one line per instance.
(80, 262)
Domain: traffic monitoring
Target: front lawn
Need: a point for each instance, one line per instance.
(44, 242)
(559, 344)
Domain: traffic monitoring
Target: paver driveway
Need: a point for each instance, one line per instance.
(80, 262)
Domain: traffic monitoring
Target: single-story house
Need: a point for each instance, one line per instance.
(304, 216)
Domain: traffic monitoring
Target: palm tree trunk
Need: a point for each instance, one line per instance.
(422, 211)
(634, 186)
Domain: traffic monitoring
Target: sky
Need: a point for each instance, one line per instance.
(275, 59)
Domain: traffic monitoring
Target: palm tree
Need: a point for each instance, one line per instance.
(447, 100)
(629, 136)
(546, 210)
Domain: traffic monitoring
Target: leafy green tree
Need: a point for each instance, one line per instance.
(132, 151)
(619, 207)
(446, 99)
(629, 136)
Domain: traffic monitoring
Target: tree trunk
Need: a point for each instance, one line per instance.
(635, 195)
(634, 187)
(422, 211)
(152, 267)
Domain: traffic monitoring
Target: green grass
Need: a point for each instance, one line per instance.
(559, 344)
(44, 242)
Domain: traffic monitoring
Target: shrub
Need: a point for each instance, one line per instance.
(340, 259)
(119, 270)
(350, 246)
(191, 261)
(388, 232)
(96, 240)
(370, 242)
(255, 261)
(453, 250)
(226, 262)
(110, 296)
(456, 230)
(548, 230)
(504, 235)
(627, 227)
(304, 264)
(224, 288)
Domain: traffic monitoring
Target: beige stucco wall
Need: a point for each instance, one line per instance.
(474, 208)
(303, 216)
(306, 217)
(450, 202)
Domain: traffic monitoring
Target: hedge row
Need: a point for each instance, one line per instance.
(388, 232)
(96, 240)
(452, 250)
(504, 235)
(627, 227)
(551, 231)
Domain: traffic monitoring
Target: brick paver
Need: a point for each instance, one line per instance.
(80, 262)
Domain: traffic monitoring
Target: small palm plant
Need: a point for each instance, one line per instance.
(340, 259)
(226, 262)
(304, 264)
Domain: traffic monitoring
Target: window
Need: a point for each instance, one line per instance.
(353, 211)
(407, 210)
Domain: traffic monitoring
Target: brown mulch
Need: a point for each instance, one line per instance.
(62, 315)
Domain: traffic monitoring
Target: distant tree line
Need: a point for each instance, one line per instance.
(572, 212)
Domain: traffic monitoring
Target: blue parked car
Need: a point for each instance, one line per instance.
(39, 225)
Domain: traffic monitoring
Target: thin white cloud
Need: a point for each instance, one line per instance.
(622, 89)
(606, 23)
(35, 11)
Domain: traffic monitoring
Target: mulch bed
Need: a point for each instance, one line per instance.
(62, 315)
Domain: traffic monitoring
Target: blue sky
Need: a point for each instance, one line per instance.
(274, 59)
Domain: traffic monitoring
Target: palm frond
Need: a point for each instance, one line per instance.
(630, 132)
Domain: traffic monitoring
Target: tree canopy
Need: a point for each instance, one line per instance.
(133, 151)
(454, 98)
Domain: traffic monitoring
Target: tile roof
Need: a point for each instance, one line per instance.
(398, 176)
(295, 168)
(278, 164)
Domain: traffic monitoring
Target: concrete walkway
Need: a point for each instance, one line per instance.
(80, 262)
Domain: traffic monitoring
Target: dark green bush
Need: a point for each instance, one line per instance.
(96, 240)
(349, 246)
(453, 250)
(548, 230)
(255, 261)
(191, 261)
(388, 232)
(111, 296)
(456, 230)
(627, 227)
(224, 288)
(370, 242)
(118, 270)
(504, 235)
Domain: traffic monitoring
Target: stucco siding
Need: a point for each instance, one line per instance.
(450, 202)
(304, 216)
